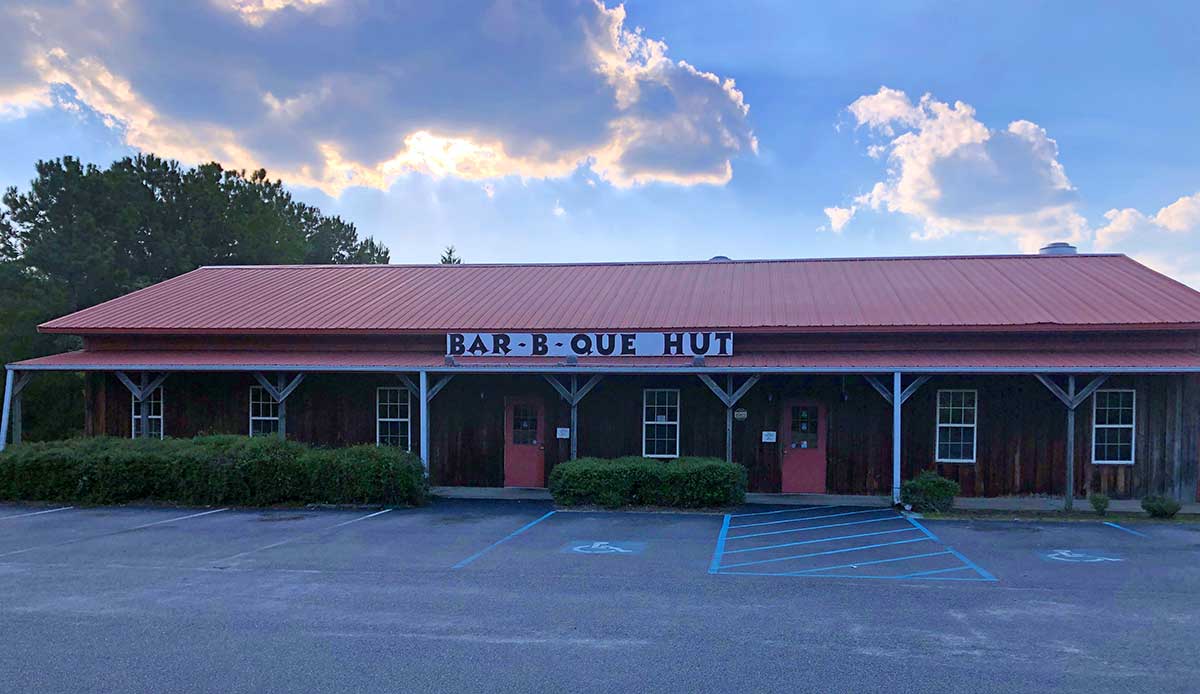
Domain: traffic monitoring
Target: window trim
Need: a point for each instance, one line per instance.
(407, 420)
(250, 411)
(161, 417)
(937, 419)
(678, 420)
(1132, 426)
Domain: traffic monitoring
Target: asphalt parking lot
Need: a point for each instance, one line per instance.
(503, 596)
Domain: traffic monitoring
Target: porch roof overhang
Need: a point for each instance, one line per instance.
(881, 361)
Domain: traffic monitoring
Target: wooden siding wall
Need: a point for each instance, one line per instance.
(1020, 449)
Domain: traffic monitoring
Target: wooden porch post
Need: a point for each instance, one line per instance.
(280, 383)
(729, 397)
(1072, 400)
(16, 419)
(1069, 502)
(280, 390)
(144, 418)
(425, 420)
(573, 396)
(897, 404)
(8, 397)
(729, 421)
(14, 383)
(574, 417)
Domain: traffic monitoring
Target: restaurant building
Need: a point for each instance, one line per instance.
(1051, 374)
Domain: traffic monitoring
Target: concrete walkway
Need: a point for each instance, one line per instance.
(965, 503)
(501, 493)
(818, 500)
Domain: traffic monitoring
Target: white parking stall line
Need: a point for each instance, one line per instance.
(37, 513)
(173, 520)
(110, 534)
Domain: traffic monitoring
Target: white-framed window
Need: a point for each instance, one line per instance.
(264, 412)
(956, 420)
(660, 423)
(393, 423)
(154, 406)
(1113, 431)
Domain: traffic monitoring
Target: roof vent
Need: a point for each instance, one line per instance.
(1057, 248)
(719, 259)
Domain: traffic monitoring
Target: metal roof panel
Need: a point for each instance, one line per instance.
(961, 292)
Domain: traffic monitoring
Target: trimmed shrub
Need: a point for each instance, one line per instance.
(1099, 503)
(633, 481)
(227, 470)
(929, 492)
(1160, 506)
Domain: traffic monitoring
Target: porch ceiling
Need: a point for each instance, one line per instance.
(883, 361)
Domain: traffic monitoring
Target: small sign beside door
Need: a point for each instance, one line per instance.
(563, 432)
(768, 437)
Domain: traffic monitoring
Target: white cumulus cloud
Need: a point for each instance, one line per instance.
(1162, 231)
(953, 174)
(340, 93)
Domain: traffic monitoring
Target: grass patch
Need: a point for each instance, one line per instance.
(1057, 516)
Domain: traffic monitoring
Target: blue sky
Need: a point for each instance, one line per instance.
(562, 131)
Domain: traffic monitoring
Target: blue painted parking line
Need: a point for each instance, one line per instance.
(828, 552)
(869, 563)
(1124, 529)
(715, 565)
(812, 527)
(855, 576)
(935, 571)
(808, 518)
(880, 559)
(793, 509)
(501, 541)
(978, 569)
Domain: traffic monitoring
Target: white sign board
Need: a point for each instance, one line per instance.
(697, 344)
(768, 437)
(564, 432)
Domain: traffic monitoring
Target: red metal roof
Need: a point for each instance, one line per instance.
(883, 361)
(975, 292)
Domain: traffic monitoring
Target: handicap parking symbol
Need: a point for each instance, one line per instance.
(1072, 556)
(594, 547)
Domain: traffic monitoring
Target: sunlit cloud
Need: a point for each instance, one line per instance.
(257, 12)
(528, 90)
(953, 174)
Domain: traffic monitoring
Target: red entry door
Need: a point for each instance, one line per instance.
(803, 447)
(524, 442)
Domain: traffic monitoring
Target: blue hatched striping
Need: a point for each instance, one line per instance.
(914, 566)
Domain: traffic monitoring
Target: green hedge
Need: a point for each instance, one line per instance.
(1161, 506)
(680, 482)
(929, 492)
(225, 470)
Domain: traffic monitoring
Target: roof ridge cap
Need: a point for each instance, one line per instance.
(625, 263)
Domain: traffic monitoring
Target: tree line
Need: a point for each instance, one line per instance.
(81, 234)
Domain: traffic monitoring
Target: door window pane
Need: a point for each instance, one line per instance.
(804, 426)
(524, 425)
